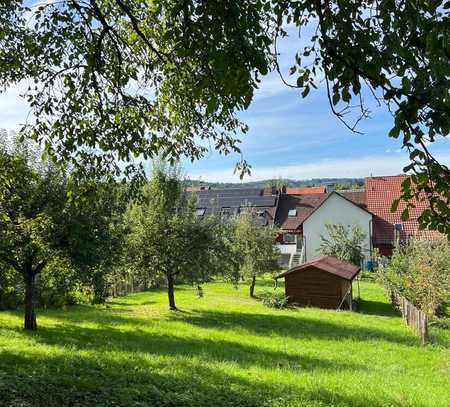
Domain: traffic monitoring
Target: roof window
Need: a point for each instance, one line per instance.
(200, 211)
(292, 213)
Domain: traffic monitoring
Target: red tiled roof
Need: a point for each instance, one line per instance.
(380, 193)
(306, 190)
(357, 197)
(328, 264)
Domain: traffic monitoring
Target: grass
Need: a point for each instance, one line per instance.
(222, 350)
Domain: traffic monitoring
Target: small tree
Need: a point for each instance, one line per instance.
(31, 198)
(41, 229)
(344, 243)
(166, 238)
(253, 246)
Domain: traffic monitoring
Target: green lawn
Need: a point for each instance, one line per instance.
(222, 350)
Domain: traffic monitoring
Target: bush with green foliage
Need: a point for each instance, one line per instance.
(11, 289)
(420, 271)
(274, 299)
(344, 243)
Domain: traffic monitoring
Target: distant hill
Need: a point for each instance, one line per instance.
(337, 183)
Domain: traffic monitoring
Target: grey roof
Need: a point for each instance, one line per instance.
(214, 200)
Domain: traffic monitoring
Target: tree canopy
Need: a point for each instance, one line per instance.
(115, 79)
(42, 229)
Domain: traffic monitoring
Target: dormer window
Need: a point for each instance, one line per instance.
(292, 213)
(200, 211)
(260, 213)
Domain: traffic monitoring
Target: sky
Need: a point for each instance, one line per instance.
(288, 136)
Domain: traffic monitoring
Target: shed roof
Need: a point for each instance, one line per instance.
(328, 264)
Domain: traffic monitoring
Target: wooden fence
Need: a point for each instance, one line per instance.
(414, 317)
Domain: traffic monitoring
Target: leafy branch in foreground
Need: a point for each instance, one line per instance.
(111, 80)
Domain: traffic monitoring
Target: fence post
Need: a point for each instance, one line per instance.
(413, 316)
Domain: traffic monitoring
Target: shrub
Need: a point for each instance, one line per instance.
(273, 299)
(344, 243)
(420, 271)
(11, 290)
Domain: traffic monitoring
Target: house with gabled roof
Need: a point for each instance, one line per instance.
(303, 220)
(388, 226)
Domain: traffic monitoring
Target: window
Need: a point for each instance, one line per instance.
(292, 213)
(200, 211)
(398, 227)
(289, 238)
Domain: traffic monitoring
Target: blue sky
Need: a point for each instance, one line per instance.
(289, 137)
(297, 138)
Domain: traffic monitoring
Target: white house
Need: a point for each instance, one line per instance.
(303, 220)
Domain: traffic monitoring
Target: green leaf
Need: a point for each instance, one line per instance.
(305, 91)
(405, 214)
(346, 97)
(406, 185)
(336, 98)
(394, 205)
(394, 132)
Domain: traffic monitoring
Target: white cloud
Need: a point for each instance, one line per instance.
(392, 150)
(334, 168)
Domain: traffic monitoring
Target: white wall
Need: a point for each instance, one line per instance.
(335, 209)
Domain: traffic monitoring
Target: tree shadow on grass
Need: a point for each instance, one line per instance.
(294, 327)
(105, 316)
(376, 308)
(77, 380)
(83, 381)
(128, 304)
(139, 342)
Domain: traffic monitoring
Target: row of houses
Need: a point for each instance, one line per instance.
(303, 213)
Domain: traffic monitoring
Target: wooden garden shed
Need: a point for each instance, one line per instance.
(325, 283)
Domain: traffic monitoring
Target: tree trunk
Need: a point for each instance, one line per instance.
(30, 314)
(170, 292)
(252, 287)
